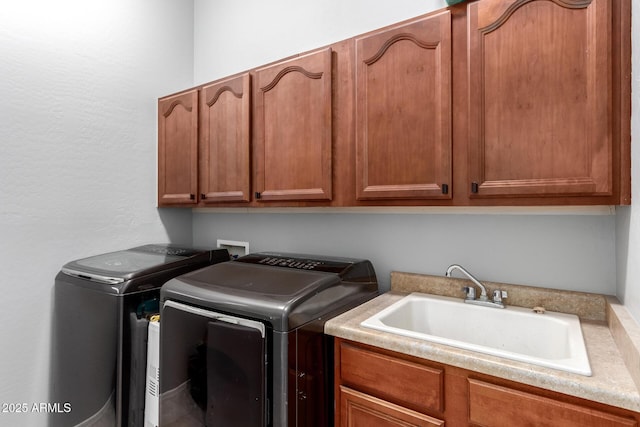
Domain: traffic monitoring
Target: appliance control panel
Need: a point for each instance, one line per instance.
(295, 261)
(167, 250)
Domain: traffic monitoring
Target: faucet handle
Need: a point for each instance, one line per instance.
(470, 291)
(498, 295)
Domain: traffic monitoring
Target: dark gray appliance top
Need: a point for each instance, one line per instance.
(117, 267)
(284, 290)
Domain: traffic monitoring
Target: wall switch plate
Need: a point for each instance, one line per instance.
(236, 249)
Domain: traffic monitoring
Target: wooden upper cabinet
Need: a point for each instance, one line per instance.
(540, 98)
(225, 141)
(490, 102)
(403, 111)
(293, 132)
(178, 149)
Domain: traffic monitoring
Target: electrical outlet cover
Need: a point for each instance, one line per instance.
(236, 248)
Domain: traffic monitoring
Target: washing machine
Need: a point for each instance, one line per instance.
(242, 343)
(99, 330)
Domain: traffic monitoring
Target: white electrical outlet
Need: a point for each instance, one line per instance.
(236, 249)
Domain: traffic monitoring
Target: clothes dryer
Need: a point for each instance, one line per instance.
(242, 343)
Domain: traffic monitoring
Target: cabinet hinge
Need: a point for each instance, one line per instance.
(474, 187)
(445, 188)
(192, 196)
(258, 195)
(203, 196)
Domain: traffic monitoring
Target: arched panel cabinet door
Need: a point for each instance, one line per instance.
(540, 98)
(293, 129)
(403, 111)
(225, 141)
(178, 149)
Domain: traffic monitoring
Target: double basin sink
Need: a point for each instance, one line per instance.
(552, 340)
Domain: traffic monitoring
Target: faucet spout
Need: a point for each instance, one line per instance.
(483, 291)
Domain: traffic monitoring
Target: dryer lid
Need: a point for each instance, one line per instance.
(282, 293)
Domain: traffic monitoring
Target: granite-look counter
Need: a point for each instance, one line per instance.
(611, 382)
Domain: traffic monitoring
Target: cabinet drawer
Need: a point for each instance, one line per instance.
(493, 406)
(360, 409)
(409, 384)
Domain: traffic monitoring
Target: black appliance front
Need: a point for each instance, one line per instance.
(99, 330)
(243, 343)
(213, 370)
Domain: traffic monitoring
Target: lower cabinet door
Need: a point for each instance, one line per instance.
(492, 405)
(362, 410)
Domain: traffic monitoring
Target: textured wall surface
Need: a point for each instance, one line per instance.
(232, 36)
(79, 86)
(556, 251)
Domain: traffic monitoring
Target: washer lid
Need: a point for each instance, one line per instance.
(117, 267)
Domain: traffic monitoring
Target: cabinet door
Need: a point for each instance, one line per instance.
(540, 98)
(496, 406)
(393, 379)
(403, 111)
(178, 149)
(361, 410)
(225, 141)
(293, 129)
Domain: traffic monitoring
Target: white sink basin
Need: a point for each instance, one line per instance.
(552, 340)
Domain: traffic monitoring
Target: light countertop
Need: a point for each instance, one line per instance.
(611, 382)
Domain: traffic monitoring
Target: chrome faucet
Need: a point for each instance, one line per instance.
(470, 291)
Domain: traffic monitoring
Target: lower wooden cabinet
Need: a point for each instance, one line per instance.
(412, 385)
(493, 405)
(363, 410)
(380, 388)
